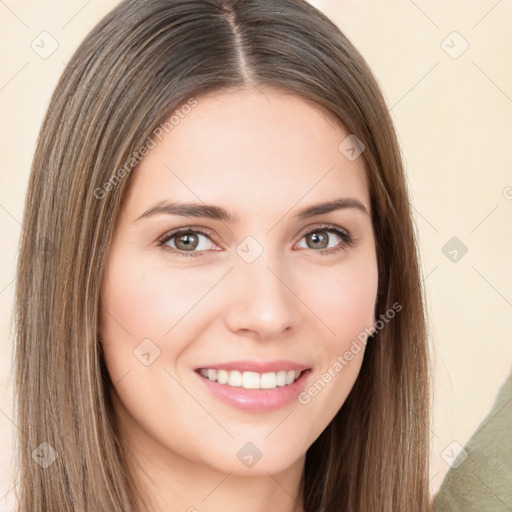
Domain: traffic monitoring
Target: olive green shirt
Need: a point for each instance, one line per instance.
(483, 481)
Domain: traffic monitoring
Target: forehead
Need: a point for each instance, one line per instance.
(251, 149)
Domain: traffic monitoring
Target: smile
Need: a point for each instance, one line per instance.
(255, 386)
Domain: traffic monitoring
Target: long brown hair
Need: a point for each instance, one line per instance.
(141, 62)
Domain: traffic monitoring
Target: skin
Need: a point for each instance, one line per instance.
(263, 156)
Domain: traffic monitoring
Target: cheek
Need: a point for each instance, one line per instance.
(149, 308)
(135, 314)
(345, 305)
(144, 300)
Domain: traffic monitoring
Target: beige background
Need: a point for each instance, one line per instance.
(453, 114)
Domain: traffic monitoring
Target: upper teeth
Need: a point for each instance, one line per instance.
(251, 380)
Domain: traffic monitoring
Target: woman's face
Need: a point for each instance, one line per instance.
(257, 289)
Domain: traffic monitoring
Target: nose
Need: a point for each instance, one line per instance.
(262, 302)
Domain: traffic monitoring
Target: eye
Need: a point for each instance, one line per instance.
(319, 238)
(185, 241)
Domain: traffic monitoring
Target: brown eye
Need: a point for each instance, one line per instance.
(321, 239)
(318, 239)
(186, 241)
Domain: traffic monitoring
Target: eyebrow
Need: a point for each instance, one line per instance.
(217, 213)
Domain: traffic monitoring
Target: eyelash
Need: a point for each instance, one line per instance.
(344, 235)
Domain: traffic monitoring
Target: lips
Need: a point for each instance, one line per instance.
(254, 385)
(256, 366)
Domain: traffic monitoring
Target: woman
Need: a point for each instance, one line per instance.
(218, 297)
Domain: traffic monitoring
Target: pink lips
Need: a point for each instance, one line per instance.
(256, 366)
(256, 400)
